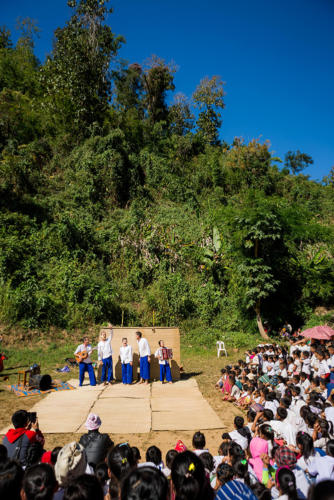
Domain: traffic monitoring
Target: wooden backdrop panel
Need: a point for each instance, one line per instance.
(171, 337)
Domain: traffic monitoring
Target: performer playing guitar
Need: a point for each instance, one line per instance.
(84, 351)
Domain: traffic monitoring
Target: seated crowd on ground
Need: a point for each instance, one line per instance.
(285, 450)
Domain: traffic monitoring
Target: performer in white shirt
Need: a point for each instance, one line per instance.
(165, 372)
(126, 355)
(145, 358)
(86, 364)
(104, 354)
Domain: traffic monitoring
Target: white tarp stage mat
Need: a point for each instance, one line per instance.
(127, 409)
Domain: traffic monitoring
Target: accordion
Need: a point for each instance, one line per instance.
(166, 353)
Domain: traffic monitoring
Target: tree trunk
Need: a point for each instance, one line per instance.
(259, 321)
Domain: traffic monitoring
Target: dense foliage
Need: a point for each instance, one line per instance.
(116, 201)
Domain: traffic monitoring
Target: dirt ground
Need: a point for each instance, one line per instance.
(204, 366)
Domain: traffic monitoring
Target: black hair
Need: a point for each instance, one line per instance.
(120, 460)
(114, 488)
(170, 455)
(34, 454)
(39, 482)
(145, 482)
(139, 334)
(235, 452)
(224, 473)
(226, 435)
(224, 447)
(260, 491)
(286, 481)
(330, 448)
(306, 443)
(54, 454)
(310, 419)
(207, 460)
(268, 414)
(3, 453)
(321, 491)
(243, 431)
(199, 441)
(20, 419)
(136, 453)
(84, 487)
(189, 479)
(153, 454)
(267, 432)
(296, 389)
(240, 469)
(286, 402)
(11, 475)
(251, 414)
(239, 422)
(101, 472)
(282, 413)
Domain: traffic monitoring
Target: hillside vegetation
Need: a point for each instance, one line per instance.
(118, 202)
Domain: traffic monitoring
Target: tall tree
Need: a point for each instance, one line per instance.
(256, 228)
(158, 79)
(180, 115)
(76, 75)
(209, 100)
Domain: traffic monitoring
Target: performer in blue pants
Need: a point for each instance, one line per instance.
(86, 364)
(104, 353)
(126, 356)
(165, 372)
(145, 358)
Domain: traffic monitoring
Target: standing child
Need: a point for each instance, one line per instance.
(165, 372)
(126, 355)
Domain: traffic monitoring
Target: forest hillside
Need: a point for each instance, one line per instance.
(121, 201)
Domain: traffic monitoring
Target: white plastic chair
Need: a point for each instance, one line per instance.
(221, 348)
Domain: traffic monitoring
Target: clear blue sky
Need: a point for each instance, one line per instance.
(276, 57)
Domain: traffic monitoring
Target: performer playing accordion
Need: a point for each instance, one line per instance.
(164, 355)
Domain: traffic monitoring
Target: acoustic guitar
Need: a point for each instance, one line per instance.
(80, 356)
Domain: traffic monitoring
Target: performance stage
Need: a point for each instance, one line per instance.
(127, 409)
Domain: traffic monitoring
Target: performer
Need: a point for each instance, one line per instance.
(104, 354)
(125, 352)
(145, 358)
(86, 364)
(165, 372)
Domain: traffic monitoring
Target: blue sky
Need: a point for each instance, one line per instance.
(275, 57)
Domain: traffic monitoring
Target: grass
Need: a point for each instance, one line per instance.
(199, 361)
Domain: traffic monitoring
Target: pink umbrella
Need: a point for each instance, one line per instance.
(319, 332)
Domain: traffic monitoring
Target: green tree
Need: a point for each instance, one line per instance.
(180, 115)
(297, 161)
(209, 100)
(5, 38)
(258, 226)
(158, 78)
(76, 76)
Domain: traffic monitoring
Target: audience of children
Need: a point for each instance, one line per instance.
(284, 450)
